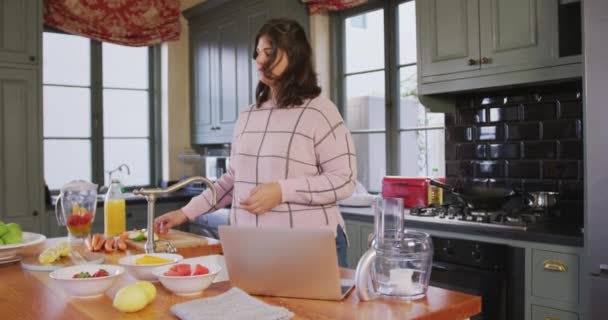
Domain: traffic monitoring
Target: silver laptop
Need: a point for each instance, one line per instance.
(297, 263)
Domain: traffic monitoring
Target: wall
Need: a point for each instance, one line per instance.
(175, 93)
(530, 138)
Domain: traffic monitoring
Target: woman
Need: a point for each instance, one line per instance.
(292, 157)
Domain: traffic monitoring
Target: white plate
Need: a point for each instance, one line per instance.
(9, 251)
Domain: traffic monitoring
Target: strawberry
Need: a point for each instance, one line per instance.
(100, 273)
(200, 270)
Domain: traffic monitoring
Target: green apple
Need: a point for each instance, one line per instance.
(12, 237)
(3, 229)
(15, 228)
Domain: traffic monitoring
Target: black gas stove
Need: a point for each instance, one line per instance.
(456, 213)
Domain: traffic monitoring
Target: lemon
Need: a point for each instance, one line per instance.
(149, 289)
(49, 255)
(130, 299)
(64, 248)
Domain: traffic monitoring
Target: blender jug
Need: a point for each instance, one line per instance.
(398, 263)
(75, 208)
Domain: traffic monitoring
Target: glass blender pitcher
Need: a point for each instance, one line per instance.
(399, 262)
(75, 208)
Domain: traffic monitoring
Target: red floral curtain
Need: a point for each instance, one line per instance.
(125, 22)
(315, 6)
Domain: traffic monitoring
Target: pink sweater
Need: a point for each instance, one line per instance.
(307, 149)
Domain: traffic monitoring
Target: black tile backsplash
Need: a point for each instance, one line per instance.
(528, 138)
(523, 131)
(486, 133)
(540, 111)
(506, 113)
(562, 129)
(505, 151)
(471, 151)
(540, 150)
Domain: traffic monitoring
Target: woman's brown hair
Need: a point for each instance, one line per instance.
(299, 81)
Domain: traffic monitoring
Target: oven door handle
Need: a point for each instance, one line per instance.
(440, 267)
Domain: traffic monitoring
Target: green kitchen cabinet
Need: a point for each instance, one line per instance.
(358, 234)
(21, 177)
(223, 73)
(20, 30)
(472, 44)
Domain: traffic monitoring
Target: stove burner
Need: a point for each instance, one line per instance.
(461, 214)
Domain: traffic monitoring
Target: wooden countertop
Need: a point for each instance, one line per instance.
(33, 295)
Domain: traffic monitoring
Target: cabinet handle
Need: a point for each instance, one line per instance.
(35, 213)
(551, 318)
(129, 215)
(472, 62)
(32, 58)
(217, 128)
(554, 265)
(486, 60)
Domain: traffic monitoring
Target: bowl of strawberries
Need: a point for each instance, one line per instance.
(186, 279)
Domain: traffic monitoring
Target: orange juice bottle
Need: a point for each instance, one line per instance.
(114, 217)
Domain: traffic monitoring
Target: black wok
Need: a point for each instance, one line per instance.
(488, 198)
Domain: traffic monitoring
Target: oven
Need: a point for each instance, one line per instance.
(492, 271)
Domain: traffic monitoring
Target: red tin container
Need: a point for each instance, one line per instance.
(415, 191)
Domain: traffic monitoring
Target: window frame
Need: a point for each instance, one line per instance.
(98, 174)
(391, 70)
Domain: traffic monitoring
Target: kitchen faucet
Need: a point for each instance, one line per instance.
(122, 166)
(152, 193)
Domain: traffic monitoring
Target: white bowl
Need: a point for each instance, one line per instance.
(9, 251)
(144, 271)
(187, 285)
(86, 287)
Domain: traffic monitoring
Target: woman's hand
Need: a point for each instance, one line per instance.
(169, 220)
(263, 198)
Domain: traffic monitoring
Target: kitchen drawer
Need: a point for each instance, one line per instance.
(544, 313)
(555, 276)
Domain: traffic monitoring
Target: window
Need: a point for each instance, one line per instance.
(394, 133)
(98, 111)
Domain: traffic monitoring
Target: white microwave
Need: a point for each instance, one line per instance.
(216, 166)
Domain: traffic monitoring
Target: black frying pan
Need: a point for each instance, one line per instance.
(488, 198)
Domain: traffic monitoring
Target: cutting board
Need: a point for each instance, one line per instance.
(178, 239)
(31, 262)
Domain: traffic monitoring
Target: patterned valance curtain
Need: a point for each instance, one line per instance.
(315, 6)
(125, 22)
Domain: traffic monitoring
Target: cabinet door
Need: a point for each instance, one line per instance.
(256, 16)
(229, 32)
(19, 31)
(448, 32)
(517, 34)
(21, 185)
(203, 84)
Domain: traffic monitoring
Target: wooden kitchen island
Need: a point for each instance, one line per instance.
(33, 295)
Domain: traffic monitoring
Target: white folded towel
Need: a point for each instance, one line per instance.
(234, 304)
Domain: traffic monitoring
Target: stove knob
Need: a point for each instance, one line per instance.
(476, 255)
(448, 250)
